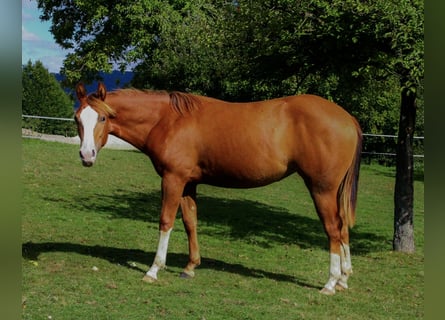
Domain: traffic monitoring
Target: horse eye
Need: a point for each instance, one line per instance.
(102, 119)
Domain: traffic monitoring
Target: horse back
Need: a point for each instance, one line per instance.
(254, 144)
(262, 142)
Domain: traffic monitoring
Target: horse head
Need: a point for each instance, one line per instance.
(93, 122)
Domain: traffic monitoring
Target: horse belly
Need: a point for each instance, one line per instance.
(244, 172)
(250, 150)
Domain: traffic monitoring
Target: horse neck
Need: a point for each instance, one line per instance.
(136, 115)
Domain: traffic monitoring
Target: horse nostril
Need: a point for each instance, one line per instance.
(87, 156)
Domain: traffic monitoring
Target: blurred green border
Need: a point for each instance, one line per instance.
(434, 159)
(10, 234)
(10, 133)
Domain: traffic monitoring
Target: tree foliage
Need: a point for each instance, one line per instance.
(42, 95)
(365, 55)
(351, 51)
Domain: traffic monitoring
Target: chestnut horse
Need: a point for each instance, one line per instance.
(192, 139)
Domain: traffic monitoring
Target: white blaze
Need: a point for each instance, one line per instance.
(88, 118)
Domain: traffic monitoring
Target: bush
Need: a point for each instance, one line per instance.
(43, 96)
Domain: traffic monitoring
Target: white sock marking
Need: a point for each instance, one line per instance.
(334, 272)
(346, 266)
(161, 254)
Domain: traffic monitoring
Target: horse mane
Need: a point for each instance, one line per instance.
(100, 105)
(180, 102)
(183, 102)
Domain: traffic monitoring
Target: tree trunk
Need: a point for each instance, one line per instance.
(404, 189)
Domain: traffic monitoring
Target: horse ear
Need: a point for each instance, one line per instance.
(80, 91)
(101, 91)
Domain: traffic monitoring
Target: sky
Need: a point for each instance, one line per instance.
(37, 41)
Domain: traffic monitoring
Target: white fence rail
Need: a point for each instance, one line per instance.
(47, 118)
(390, 154)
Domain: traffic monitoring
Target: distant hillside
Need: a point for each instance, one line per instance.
(112, 81)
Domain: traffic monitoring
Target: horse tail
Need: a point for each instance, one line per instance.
(347, 192)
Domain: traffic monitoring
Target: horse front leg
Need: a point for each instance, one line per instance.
(190, 220)
(172, 188)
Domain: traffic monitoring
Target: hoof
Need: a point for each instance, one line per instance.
(148, 279)
(340, 286)
(327, 292)
(187, 275)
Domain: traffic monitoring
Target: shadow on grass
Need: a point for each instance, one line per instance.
(127, 257)
(239, 219)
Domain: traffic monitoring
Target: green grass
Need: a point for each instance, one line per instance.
(264, 253)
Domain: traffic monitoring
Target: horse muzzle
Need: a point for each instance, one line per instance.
(87, 158)
(87, 163)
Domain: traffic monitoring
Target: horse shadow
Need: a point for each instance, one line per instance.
(130, 258)
(238, 219)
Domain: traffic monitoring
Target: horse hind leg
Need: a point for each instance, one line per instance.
(345, 259)
(327, 209)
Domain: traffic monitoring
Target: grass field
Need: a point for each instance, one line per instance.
(90, 234)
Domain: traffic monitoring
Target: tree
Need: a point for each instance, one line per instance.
(349, 43)
(42, 95)
(368, 56)
(383, 39)
(112, 33)
(188, 54)
(407, 62)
